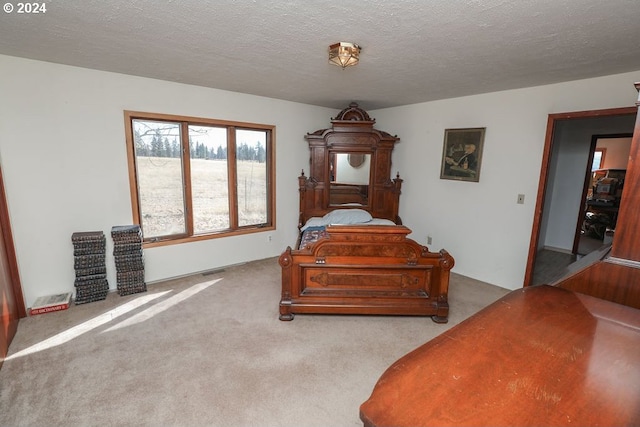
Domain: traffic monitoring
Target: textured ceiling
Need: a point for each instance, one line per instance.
(412, 50)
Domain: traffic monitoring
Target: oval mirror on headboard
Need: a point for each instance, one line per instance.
(356, 160)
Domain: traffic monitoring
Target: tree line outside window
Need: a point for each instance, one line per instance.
(160, 146)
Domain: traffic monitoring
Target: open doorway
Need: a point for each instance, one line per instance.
(562, 181)
(602, 192)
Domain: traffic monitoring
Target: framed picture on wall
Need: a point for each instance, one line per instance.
(462, 154)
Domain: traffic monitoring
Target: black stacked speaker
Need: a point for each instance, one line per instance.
(127, 252)
(89, 263)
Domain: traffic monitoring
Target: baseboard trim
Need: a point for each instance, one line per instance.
(564, 251)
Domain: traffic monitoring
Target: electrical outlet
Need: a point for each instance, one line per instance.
(521, 199)
(269, 237)
(429, 240)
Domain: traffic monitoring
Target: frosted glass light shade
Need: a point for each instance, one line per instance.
(344, 54)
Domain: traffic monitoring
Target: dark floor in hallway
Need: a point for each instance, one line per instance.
(550, 265)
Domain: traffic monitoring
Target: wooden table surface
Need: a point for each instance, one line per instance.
(539, 356)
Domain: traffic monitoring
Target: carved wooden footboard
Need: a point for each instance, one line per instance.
(365, 270)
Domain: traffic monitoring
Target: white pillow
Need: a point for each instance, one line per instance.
(348, 216)
(381, 221)
(314, 221)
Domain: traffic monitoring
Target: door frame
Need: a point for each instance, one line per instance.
(11, 298)
(5, 223)
(544, 174)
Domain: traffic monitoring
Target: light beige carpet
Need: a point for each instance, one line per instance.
(208, 350)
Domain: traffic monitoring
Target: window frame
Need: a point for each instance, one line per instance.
(185, 121)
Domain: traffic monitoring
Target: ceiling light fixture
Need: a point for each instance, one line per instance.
(344, 54)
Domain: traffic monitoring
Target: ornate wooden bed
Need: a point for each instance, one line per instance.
(353, 255)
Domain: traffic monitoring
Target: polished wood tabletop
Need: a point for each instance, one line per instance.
(539, 356)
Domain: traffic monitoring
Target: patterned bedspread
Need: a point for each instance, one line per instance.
(311, 235)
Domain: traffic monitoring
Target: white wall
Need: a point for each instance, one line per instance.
(481, 224)
(65, 166)
(617, 154)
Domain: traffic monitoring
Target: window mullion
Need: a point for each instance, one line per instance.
(186, 179)
(233, 177)
(271, 174)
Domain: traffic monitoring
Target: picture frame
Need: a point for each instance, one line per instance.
(462, 154)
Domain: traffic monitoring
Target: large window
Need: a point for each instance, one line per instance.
(194, 178)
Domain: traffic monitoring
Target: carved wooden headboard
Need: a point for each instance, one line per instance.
(350, 166)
